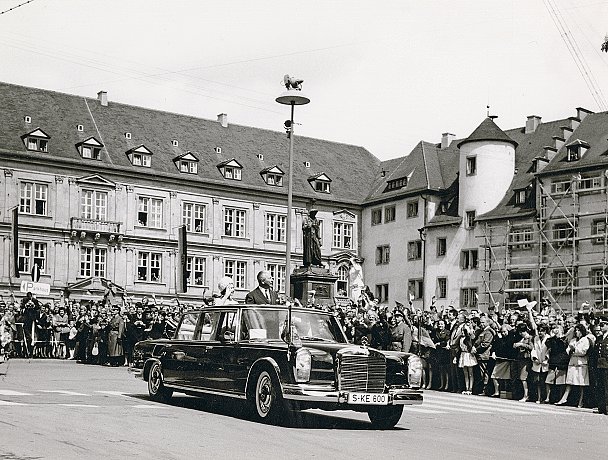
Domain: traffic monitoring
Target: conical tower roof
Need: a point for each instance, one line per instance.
(488, 131)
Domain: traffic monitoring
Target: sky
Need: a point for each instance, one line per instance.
(383, 75)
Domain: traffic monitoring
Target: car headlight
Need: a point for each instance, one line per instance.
(303, 365)
(414, 371)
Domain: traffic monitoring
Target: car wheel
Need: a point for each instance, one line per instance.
(156, 387)
(266, 397)
(384, 417)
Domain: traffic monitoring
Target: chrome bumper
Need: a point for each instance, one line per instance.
(301, 392)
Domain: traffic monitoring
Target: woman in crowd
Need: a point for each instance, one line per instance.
(441, 354)
(61, 327)
(226, 287)
(578, 371)
(467, 360)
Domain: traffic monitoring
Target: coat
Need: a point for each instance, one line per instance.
(257, 297)
(116, 333)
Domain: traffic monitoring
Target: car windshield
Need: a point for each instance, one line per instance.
(268, 324)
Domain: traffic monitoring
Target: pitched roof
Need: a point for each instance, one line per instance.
(58, 115)
(488, 131)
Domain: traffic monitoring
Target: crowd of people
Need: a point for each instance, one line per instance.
(531, 354)
(95, 332)
(538, 354)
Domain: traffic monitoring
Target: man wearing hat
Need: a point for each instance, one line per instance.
(602, 365)
(401, 333)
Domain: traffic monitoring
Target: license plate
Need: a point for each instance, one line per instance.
(368, 398)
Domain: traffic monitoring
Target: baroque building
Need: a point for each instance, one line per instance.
(102, 189)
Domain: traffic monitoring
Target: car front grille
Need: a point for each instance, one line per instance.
(362, 373)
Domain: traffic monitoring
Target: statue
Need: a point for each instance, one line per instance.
(311, 240)
(355, 275)
(292, 82)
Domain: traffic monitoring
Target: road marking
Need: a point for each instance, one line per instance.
(488, 404)
(111, 393)
(64, 392)
(148, 406)
(424, 411)
(13, 393)
(78, 405)
(9, 403)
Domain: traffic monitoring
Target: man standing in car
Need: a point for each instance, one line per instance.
(263, 294)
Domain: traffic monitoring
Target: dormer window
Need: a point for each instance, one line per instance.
(80, 128)
(140, 156)
(231, 169)
(187, 163)
(273, 176)
(37, 141)
(396, 184)
(174, 143)
(90, 148)
(576, 150)
(321, 183)
(521, 196)
(127, 135)
(27, 119)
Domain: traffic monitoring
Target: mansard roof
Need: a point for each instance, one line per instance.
(349, 166)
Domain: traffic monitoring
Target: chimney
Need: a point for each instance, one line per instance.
(102, 96)
(446, 140)
(222, 118)
(532, 123)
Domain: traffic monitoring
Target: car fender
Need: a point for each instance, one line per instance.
(256, 364)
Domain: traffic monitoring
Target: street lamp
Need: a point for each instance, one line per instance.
(292, 97)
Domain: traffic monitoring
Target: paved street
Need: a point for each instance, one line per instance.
(53, 409)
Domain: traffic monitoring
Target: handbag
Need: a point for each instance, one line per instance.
(73, 332)
(95, 350)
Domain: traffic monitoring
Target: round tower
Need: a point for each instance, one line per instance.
(487, 166)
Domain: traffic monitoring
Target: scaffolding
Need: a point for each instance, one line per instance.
(561, 253)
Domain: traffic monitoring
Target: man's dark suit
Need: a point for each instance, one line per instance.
(257, 296)
(602, 368)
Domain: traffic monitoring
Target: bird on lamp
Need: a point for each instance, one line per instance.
(292, 83)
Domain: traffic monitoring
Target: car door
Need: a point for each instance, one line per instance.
(196, 361)
(176, 357)
(220, 354)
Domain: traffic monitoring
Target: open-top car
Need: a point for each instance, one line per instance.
(246, 352)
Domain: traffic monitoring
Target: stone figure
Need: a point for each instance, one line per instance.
(355, 275)
(311, 240)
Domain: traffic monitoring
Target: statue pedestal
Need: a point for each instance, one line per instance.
(304, 280)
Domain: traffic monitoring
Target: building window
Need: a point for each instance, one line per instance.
(33, 198)
(396, 184)
(562, 231)
(470, 219)
(383, 254)
(278, 275)
(93, 262)
(150, 212)
(598, 227)
(234, 222)
(520, 280)
(442, 288)
(598, 278)
(31, 253)
(389, 214)
(231, 172)
(442, 247)
(412, 209)
(468, 259)
(148, 266)
(322, 186)
(414, 250)
(343, 235)
(521, 238)
(376, 216)
(590, 183)
(415, 289)
(88, 151)
(140, 159)
(342, 283)
(193, 217)
(561, 279)
(382, 293)
(471, 166)
(197, 273)
(94, 205)
(520, 196)
(561, 186)
(237, 270)
(274, 179)
(190, 167)
(37, 144)
(468, 298)
(275, 227)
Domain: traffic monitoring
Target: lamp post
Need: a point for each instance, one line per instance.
(292, 97)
